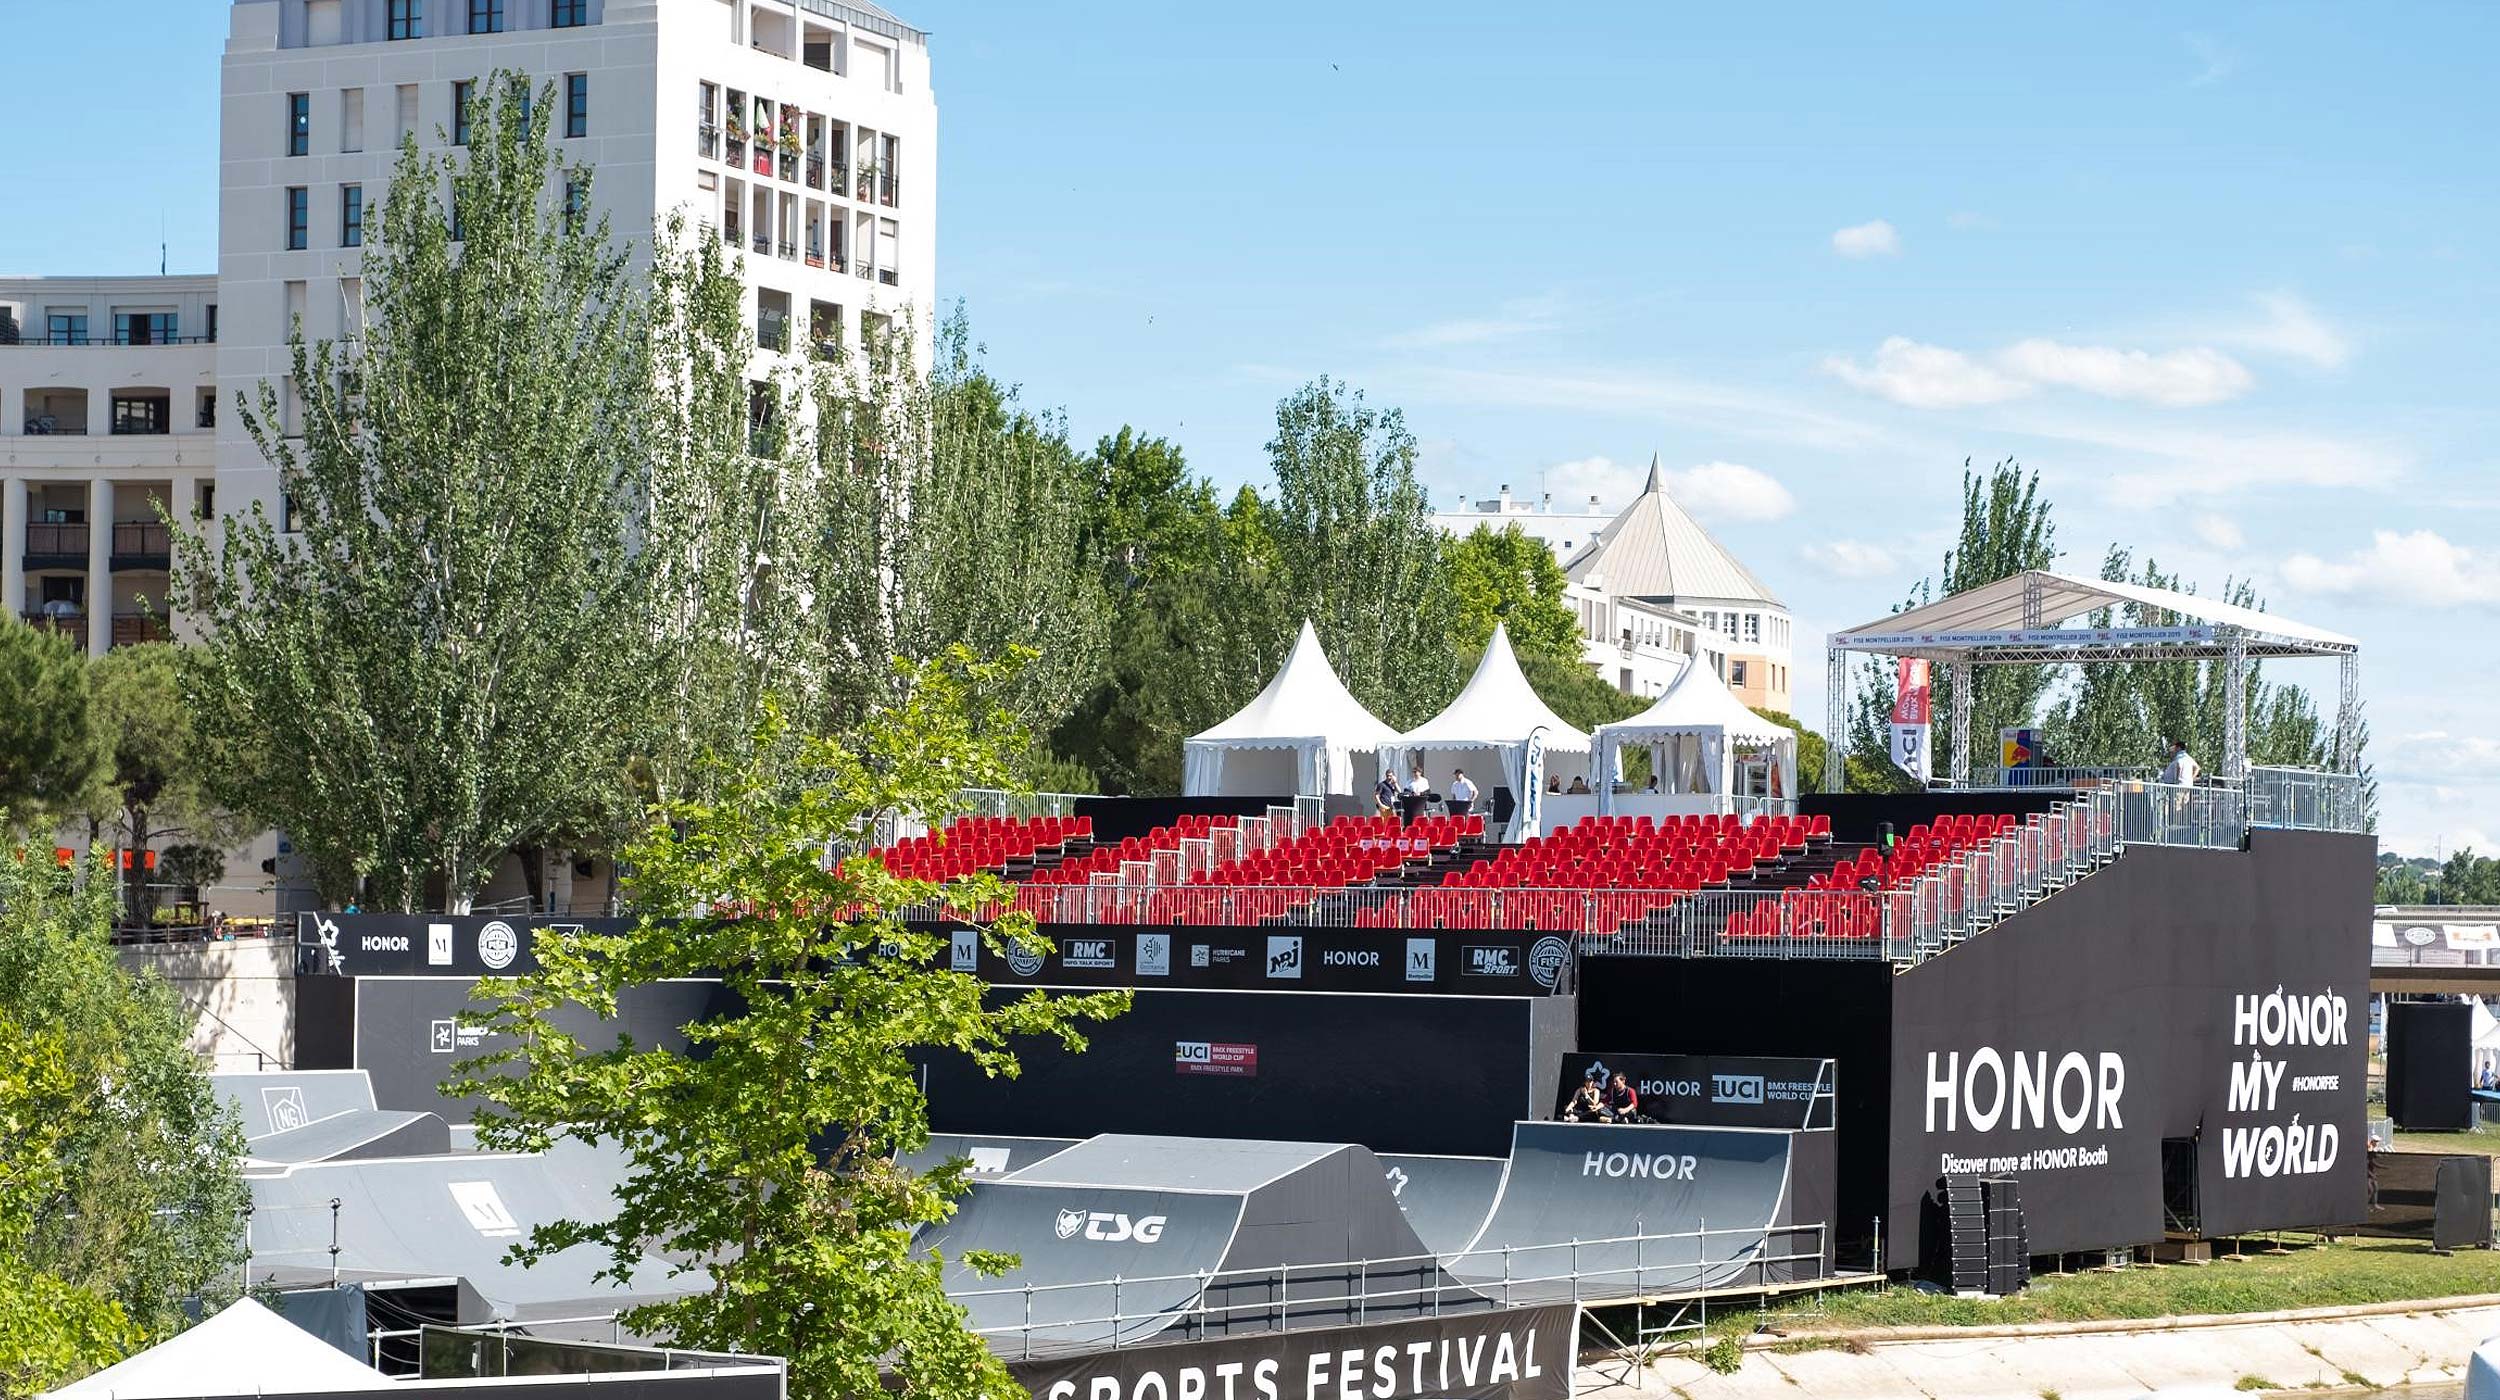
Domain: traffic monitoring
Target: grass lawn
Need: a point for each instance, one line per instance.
(2307, 1275)
(2485, 1140)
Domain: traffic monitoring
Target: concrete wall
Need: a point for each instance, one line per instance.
(242, 996)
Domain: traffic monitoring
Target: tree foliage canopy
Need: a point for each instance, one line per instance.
(764, 1154)
(49, 751)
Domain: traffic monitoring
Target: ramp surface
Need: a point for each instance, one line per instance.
(990, 1156)
(1445, 1199)
(1069, 1243)
(1647, 1193)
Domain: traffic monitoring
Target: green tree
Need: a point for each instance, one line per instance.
(154, 785)
(49, 752)
(1359, 552)
(764, 1154)
(1511, 577)
(1575, 692)
(119, 1165)
(437, 647)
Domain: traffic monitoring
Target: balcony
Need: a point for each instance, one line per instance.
(865, 271)
(738, 152)
(885, 189)
(730, 234)
(55, 546)
(143, 545)
(886, 276)
(841, 178)
(53, 425)
(30, 336)
(763, 157)
(867, 188)
(763, 243)
(71, 623)
(815, 172)
(772, 332)
(789, 250)
(130, 629)
(707, 141)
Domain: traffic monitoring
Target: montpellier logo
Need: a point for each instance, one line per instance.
(1154, 955)
(964, 951)
(1420, 955)
(1284, 956)
(285, 1108)
(1545, 961)
(438, 945)
(1108, 1226)
(498, 945)
(486, 1212)
(1736, 1088)
(1021, 960)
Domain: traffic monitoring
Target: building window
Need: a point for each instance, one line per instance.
(486, 16)
(212, 323)
(572, 206)
(1753, 627)
(299, 123)
(461, 93)
(352, 120)
(571, 14)
(298, 218)
(145, 414)
(576, 104)
(146, 327)
(65, 328)
(351, 216)
(1736, 673)
(407, 19)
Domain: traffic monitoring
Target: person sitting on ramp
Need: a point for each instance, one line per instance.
(1623, 1105)
(1588, 1102)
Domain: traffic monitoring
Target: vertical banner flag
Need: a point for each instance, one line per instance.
(1910, 699)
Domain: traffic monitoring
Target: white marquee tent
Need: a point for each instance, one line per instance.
(245, 1350)
(1694, 734)
(1499, 720)
(1299, 736)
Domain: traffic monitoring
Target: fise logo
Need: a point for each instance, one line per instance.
(1087, 952)
(1420, 954)
(1021, 960)
(1109, 1226)
(1545, 961)
(1736, 1088)
(1284, 956)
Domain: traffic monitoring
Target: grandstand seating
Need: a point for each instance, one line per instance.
(993, 844)
(1922, 848)
(1640, 864)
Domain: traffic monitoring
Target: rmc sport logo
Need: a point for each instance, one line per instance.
(1109, 1226)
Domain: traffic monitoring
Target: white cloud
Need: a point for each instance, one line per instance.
(1926, 376)
(1851, 559)
(2417, 569)
(1874, 238)
(1633, 390)
(1513, 320)
(1727, 491)
(1613, 483)
(2291, 328)
(2220, 532)
(2174, 379)
(2218, 62)
(2209, 462)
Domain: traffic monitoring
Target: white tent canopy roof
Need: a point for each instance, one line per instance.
(1698, 703)
(1497, 708)
(245, 1350)
(2023, 612)
(1305, 704)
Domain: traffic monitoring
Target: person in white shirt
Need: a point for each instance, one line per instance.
(2182, 769)
(1418, 792)
(1462, 793)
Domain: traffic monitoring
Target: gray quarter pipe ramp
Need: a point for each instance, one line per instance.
(1446, 1199)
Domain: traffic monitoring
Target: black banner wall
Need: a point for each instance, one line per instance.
(2430, 1065)
(1718, 1091)
(1511, 1354)
(2217, 996)
(428, 945)
(407, 1037)
(1416, 1074)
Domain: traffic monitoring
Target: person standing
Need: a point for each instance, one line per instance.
(1462, 793)
(2182, 769)
(1418, 792)
(1385, 793)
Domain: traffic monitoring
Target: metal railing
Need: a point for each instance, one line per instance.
(81, 338)
(141, 539)
(707, 140)
(1617, 1268)
(999, 802)
(52, 538)
(2034, 776)
(2306, 799)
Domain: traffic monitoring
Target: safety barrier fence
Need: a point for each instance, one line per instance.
(1620, 1268)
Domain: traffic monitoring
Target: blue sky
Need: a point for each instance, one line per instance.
(2222, 274)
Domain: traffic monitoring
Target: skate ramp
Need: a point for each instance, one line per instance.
(1632, 1211)
(990, 1156)
(1445, 1199)
(301, 1116)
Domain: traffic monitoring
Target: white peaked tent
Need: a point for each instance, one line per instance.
(245, 1350)
(1498, 718)
(1299, 736)
(1694, 734)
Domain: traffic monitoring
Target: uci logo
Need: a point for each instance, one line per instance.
(1111, 1227)
(1736, 1088)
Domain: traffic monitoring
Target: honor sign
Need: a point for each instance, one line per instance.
(2055, 1096)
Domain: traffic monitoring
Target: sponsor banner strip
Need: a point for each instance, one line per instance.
(1507, 1354)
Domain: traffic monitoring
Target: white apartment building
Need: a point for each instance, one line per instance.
(1563, 531)
(108, 407)
(801, 131)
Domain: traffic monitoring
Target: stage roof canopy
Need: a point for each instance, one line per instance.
(245, 1350)
(1305, 710)
(1497, 708)
(2017, 619)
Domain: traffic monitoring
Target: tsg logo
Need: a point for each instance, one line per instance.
(1545, 961)
(1284, 956)
(1108, 1226)
(1420, 955)
(1736, 1088)
(1087, 952)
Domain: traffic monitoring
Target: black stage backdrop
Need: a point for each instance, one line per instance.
(1712, 1091)
(1416, 1074)
(2430, 1065)
(2219, 996)
(1117, 818)
(1510, 1354)
(405, 1036)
